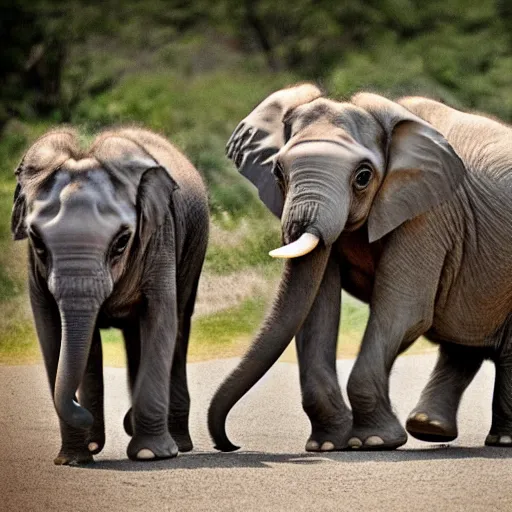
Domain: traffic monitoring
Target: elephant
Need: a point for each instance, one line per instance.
(117, 235)
(405, 205)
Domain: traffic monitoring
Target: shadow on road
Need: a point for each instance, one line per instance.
(215, 460)
(436, 452)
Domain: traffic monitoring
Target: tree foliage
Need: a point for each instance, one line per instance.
(57, 53)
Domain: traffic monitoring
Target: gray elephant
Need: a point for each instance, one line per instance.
(406, 205)
(117, 238)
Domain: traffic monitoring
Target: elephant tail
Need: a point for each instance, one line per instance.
(296, 293)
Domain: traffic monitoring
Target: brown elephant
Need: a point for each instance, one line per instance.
(406, 206)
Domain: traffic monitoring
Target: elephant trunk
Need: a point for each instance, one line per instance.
(78, 319)
(317, 204)
(79, 298)
(296, 294)
(318, 200)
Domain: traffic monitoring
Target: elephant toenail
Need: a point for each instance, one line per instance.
(505, 440)
(355, 443)
(327, 446)
(312, 446)
(145, 454)
(436, 423)
(92, 447)
(491, 439)
(374, 441)
(421, 416)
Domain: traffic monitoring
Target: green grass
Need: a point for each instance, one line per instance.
(18, 345)
(247, 245)
(219, 330)
(17, 336)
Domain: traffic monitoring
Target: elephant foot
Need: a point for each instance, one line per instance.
(431, 427)
(178, 428)
(95, 440)
(502, 440)
(329, 439)
(367, 438)
(78, 446)
(73, 458)
(325, 444)
(500, 433)
(147, 447)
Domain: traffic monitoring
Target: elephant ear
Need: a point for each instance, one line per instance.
(423, 170)
(154, 196)
(41, 160)
(258, 138)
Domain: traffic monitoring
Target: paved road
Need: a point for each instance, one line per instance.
(272, 473)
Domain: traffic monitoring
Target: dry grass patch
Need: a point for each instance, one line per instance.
(220, 292)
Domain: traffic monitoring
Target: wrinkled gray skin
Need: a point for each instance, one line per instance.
(424, 238)
(117, 237)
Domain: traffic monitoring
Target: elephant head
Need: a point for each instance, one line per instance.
(86, 215)
(324, 168)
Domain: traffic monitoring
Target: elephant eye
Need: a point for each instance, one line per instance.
(120, 244)
(363, 177)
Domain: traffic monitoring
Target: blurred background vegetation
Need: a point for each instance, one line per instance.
(191, 70)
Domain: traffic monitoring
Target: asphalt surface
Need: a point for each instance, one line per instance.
(271, 472)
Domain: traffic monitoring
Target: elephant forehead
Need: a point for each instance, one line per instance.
(347, 122)
(89, 195)
(338, 152)
(77, 180)
(92, 186)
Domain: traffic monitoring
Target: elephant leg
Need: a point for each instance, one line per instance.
(74, 447)
(131, 335)
(316, 348)
(179, 405)
(91, 395)
(401, 310)
(501, 427)
(150, 397)
(434, 418)
(375, 425)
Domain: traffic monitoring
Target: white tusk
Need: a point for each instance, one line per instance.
(306, 243)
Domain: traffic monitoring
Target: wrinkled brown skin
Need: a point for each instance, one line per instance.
(426, 244)
(78, 202)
